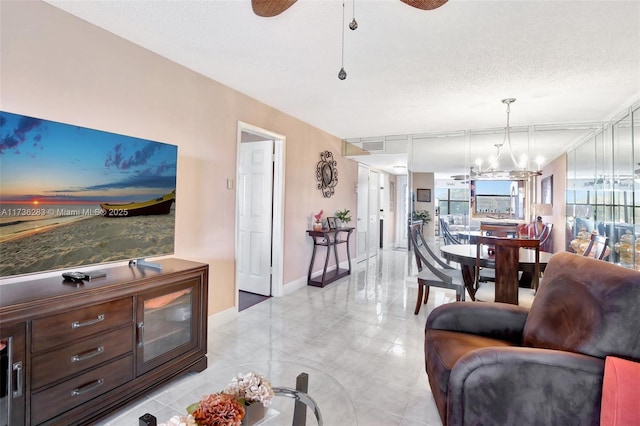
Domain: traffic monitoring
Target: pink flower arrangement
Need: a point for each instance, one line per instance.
(318, 216)
(219, 409)
(227, 408)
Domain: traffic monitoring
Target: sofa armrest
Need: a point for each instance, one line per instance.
(496, 320)
(525, 386)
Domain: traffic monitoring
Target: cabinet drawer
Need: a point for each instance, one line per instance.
(61, 329)
(55, 365)
(60, 398)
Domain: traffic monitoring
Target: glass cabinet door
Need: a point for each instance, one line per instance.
(12, 363)
(167, 323)
(603, 190)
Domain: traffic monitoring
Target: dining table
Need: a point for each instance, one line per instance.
(465, 256)
(468, 236)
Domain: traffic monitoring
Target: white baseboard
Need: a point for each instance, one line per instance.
(292, 286)
(223, 317)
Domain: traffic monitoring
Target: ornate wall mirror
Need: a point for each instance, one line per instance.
(327, 174)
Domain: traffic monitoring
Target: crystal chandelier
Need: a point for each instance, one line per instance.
(520, 168)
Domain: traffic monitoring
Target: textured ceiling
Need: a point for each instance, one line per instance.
(409, 71)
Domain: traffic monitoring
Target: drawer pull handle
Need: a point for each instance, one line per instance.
(17, 367)
(89, 354)
(87, 388)
(140, 334)
(78, 324)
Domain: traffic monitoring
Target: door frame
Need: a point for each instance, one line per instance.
(362, 217)
(277, 234)
(371, 247)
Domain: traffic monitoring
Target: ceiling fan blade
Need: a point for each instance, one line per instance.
(269, 8)
(424, 4)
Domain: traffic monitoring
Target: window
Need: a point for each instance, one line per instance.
(498, 198)
(453, 201)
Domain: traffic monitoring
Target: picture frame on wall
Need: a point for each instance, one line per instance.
(423, 195)
(331, 222)
(546, 190)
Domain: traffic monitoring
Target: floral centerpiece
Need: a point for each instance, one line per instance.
(229, 407)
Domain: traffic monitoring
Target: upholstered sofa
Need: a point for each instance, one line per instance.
(493, 363)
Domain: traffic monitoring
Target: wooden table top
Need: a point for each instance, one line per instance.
(466, 254)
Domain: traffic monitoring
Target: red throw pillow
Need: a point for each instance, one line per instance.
(620, 403)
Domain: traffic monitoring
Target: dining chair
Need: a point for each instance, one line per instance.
(600, 242)
(506, 262)
(432, 271)
(545, 238)
(499, 230)
(447, 237)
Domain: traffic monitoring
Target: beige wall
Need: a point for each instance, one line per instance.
(558, 169)
(426, 181)
(58, 67)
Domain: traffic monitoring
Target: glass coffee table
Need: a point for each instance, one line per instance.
(325, 401)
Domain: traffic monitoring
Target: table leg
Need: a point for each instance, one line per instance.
(335, 253)
(469, 278)
(302, 397)
(348, 253)
(326, 260)
(313, 258)
(300, 409)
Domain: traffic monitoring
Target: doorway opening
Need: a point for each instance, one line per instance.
(259, 215)
(368, 220)
(247, 300)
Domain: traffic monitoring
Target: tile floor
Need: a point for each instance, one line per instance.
(360, 330)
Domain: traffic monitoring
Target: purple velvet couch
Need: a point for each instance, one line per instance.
(493, 363)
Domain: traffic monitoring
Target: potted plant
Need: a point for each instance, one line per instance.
(423, 215)
(343, 216)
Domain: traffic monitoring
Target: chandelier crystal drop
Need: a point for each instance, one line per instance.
(342, 74)
(353, 25)
(520, 168)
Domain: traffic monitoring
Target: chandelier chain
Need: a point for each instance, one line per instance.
(342, 74)
(342, 35)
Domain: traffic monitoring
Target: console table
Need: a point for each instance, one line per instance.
(78, 351)
(329, 238)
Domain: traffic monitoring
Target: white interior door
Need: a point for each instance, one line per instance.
(401, 208)
(362, 223)
(373, 233)
(255, 189)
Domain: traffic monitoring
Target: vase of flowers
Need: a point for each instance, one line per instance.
(243, 402)
(317, 224)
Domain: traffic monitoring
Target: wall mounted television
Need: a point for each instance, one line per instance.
(72, 197)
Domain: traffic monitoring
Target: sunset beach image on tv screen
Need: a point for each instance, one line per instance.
(72, 196)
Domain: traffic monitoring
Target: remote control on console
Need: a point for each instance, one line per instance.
(74, 276)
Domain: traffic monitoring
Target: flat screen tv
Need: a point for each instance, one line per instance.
(72, 197)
